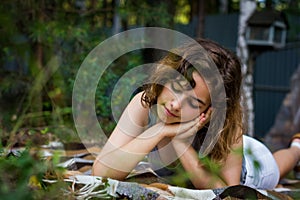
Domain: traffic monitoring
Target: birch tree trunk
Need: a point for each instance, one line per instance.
(247, 7)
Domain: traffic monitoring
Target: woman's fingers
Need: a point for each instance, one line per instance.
(205, 117)
(195, 125)
(171, 130)
(187, 129)
(191, 131)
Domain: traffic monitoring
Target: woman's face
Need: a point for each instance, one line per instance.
(176, 104)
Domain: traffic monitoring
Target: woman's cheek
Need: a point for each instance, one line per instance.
(160, 113)
(189, 115)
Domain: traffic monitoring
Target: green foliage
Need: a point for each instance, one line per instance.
(37, 32)
(21, 177)
(107, 85)
(146, 13)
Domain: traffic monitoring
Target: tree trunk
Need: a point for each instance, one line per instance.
(36, 98)
(223, 6)
(247, 7)
(117, 25)
(201, 18)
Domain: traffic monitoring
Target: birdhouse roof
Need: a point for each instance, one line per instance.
(267, 17)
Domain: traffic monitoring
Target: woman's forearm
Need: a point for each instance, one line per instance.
(118, 162)
(199, 176)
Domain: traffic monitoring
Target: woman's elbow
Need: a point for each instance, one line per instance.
(98, 169)
(101, 170)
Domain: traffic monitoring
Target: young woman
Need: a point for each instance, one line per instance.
(171, 120)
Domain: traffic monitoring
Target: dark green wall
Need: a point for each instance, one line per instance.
(272, 74)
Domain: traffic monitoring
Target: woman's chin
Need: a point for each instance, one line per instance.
(170, 121)
(166, 120)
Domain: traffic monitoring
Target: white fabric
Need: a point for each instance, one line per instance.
(262, 169)
(295, 144)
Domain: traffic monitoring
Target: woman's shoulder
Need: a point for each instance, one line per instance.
(136, 102)
(137, 110)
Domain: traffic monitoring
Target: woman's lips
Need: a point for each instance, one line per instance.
(169, 113)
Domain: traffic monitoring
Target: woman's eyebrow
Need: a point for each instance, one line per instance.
(199, 100)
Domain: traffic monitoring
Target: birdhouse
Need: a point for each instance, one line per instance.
(267, 29)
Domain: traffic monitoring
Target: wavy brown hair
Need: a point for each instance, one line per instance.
(178, 63)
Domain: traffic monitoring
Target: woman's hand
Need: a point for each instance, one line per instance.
(171, 130)
(199, 123)
(182, 130)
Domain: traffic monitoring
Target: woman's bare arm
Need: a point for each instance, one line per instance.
(232, 168)
(128, 143)
(199, 175)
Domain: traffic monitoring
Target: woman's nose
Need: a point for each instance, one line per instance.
(176, 103)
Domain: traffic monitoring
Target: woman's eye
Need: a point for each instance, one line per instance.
(193, 103)
(180, 86)
(176, 87)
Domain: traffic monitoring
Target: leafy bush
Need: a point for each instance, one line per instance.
(21, 177)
